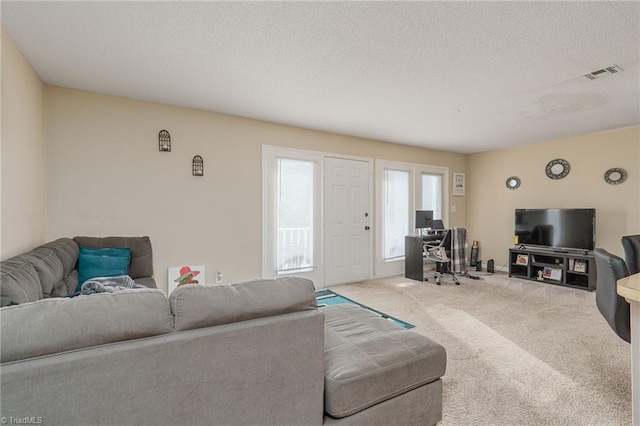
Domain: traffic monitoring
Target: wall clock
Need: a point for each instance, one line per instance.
(557, 169)
(615, 176)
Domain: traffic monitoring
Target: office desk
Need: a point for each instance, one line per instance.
(629, 288)
(414, 254)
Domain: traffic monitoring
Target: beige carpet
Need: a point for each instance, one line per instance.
(519, 352)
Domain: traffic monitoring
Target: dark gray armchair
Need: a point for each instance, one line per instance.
(631, 245)
(613, 307)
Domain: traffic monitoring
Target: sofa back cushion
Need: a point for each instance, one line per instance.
(198, 306)
(67, 251)
(141, 256)
(55, 262)
(55, 325)
(49, 268)
(19, 281)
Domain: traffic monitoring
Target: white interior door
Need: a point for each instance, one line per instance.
(347, 233)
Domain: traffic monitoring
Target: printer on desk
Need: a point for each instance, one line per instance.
(437, 227)
(426, 225)
(437, 230)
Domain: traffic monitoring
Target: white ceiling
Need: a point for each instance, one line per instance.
(391, 71)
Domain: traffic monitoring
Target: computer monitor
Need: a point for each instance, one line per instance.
(424, 219)
(437, 225)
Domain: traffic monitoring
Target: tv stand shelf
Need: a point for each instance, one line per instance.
(572, 269)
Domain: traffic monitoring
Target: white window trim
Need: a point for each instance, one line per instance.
(433, 170)
(383, 267)
(270, 155)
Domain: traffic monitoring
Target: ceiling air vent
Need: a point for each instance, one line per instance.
(604, 72)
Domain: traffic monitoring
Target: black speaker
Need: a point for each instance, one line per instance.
(479, 265)
(490, 266)
(474, 254)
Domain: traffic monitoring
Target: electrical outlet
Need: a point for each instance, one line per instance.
(219, 277)
(453, 209)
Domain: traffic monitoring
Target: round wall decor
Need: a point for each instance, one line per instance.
(557, 169)
(513, 182)
(615, 176)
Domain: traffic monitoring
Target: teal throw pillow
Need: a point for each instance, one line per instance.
(102, 262)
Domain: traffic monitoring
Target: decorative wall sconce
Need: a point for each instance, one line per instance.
(198, 166)
(513, 182)
(164, 141)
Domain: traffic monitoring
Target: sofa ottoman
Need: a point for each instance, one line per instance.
(377, 372)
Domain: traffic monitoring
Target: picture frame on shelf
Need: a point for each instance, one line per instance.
(580, 266)
(522, 259)
(552, 273)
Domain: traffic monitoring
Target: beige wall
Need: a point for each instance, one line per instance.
(490, 205)
(107, 177)
(23, 154)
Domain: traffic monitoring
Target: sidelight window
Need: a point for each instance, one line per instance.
(396, 212)
(432, 194)
(294, 217)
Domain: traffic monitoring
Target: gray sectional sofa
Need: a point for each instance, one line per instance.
(51, 270)
(254, 353)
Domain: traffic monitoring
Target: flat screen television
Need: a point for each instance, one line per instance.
(557, 228)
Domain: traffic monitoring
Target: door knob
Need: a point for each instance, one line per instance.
(366, 228)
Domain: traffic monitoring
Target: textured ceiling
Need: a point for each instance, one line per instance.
(456, 76)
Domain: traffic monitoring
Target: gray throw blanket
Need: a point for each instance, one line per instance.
(459, 250)
(108, 284)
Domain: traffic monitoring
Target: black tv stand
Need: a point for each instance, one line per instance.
(560, 267)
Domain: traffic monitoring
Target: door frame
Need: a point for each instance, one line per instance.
(271, 151)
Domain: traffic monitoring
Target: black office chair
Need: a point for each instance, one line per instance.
(613, 307)
(442, 254)
(631, 245)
